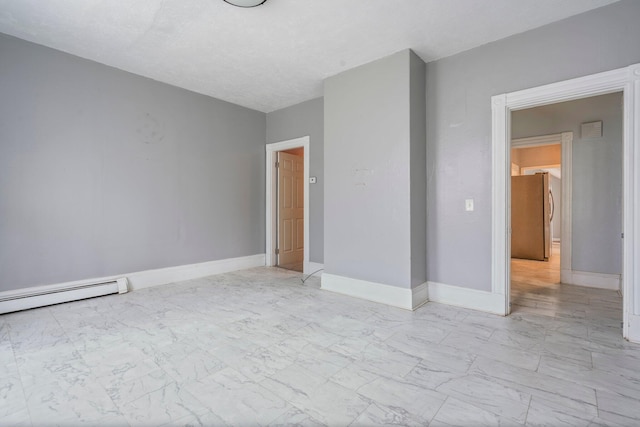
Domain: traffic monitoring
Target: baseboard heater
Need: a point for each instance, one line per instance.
(23, 299)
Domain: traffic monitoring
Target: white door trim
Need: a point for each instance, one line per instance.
(565, 139)
(626, 80)
(271, 204)
(538, 141)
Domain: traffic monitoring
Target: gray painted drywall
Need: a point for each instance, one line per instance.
(367, 171)
(306, 118)
(596, 179)
(418, 179)
(103, 172)
(459, 90)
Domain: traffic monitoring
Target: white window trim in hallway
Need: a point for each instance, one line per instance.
(626, 80)
(271, 184)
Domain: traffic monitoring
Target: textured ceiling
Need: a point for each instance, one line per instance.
(274, 55)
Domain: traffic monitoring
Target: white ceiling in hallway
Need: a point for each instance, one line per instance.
(274, 55)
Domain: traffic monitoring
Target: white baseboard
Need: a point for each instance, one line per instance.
(633, 333)
(566, 276)
(313, 267)
(467, 298)
(40, 296)
(162, 276)
(406, 298)
(420, 295)
(591, 280)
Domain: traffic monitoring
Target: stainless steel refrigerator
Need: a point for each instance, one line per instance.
(530, 217)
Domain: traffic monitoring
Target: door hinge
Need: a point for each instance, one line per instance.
(277, 251)
(277, 164)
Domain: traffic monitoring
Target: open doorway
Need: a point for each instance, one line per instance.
(625, 80)
(537, 202)
(287, 204)
(545, 278)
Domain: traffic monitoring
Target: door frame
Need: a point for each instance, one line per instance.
(625, 80)
(565, 139)
(271, 180)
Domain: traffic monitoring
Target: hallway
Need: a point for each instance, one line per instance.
(536, 289)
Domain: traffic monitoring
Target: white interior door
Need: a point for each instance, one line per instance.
(290, 211)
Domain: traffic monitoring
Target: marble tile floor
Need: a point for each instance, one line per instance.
(257, 347)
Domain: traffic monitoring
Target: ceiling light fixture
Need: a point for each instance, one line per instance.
(245, 3)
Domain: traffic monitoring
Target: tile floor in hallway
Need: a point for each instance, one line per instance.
(257, 347)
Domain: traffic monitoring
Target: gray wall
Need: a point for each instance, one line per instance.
(103, 172)
(306, 118)
(596, 179)
(367, 172)
(459, 90)
(418, 180)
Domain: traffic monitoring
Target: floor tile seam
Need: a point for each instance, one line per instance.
(301, 407)
(286, 402)
(273, 378)
(445, 337)
(539, 361)
(549, 355)
(62, 328)
(179, 421)
(630, 373)
(520, 346)
(599, 409)
(597, 402)
(130, 380)
(24, 395)
(411, 365)
(505, 362)
(632, 421)
(512, 384)
(22, 374)
(526, 417)
(369, 403)
(15, 358)
(180, 387)
(470, 401)
(73, 415)
(435, 415)
(83, 355)
(621, 391)
(120, 406)
(533, 389)
(457, 376)
(305, 411)
(586, 382)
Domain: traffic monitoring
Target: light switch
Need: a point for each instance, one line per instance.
(468, 205)
(312, 180)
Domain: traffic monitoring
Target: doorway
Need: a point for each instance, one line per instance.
(537, 274)
(595, 224)
(287, 204)
(625, 80)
